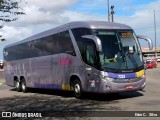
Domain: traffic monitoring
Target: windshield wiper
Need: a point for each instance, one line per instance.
(124, 59)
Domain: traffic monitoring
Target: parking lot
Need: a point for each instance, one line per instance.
(51, 100)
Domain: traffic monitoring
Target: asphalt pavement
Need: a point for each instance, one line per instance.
(52, 100)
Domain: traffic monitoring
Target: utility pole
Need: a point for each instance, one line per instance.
(108, 12)
(112, 13)
(155, 33)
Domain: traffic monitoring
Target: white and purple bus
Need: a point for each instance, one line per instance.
(90, 56)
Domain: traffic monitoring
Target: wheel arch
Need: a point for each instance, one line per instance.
(73, 78)
(21, 78)
(15, 78)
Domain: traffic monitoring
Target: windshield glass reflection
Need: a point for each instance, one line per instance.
(120, 50)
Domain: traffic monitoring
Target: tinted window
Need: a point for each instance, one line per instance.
(10, 53)
(78, 33)
(37, 48)
(90, 54)
(53, 44)
(65, 43)
(59, 43)
(22, 51)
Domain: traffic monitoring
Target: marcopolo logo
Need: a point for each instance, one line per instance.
(6, 114)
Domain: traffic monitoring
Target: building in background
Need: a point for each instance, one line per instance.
(150, 54)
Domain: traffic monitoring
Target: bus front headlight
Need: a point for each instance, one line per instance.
(142, 77)
(108, 78)
(104, 75)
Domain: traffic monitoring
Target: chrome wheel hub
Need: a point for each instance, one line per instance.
(23, 86)
(77, 88)
(17, 84)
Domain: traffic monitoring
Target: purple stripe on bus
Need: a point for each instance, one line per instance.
(51, 86)
(122, 76)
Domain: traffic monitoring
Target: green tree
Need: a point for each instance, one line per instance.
(9, 12)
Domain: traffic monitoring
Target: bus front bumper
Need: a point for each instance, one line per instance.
(115, 87)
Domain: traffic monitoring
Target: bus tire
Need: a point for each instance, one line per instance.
(18, 86)
(77, 89)
(24, 87)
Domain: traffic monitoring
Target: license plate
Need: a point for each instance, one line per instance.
(129, 87)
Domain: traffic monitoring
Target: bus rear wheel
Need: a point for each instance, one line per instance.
(77, 89)
(18, 86)
(24, 87)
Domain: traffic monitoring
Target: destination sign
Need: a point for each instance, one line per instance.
(105, 33)
(126, 34)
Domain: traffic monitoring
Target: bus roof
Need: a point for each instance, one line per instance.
(77, 24)
(98, 25)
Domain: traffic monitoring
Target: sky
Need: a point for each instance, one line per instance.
(42, 15)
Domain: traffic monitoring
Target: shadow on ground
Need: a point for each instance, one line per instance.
(87, 96)
(56, 103)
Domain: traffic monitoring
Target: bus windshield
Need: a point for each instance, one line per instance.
(120, 50)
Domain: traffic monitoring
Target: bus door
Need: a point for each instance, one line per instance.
(91, 60)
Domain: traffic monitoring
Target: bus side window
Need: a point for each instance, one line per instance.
(90, 54)
(65, 44)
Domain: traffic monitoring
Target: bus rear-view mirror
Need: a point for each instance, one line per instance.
(96, 40)
(150, 44)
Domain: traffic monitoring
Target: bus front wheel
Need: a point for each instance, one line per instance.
(77, 89)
